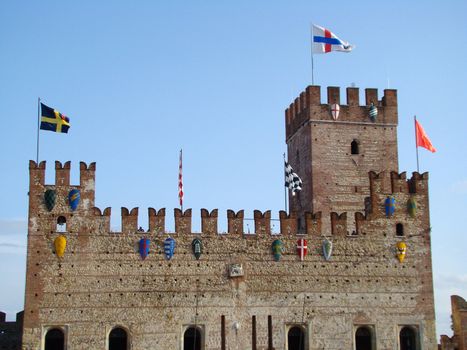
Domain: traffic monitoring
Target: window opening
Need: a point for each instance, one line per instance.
(399, 229)
(54, 339)
(363, 339)
(118, 339)
(354, 147)
(61, 224)
(296, 338)
(407, 339)
(192, 339)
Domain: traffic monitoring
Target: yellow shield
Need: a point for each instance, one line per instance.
(401, 248)
(60, 245)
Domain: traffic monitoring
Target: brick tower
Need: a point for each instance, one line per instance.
(333, 157)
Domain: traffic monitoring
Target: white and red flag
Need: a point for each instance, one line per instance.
(302, 248)
(180, 181)
(325, 41)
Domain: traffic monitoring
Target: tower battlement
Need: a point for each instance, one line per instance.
(308, 107)
(93, 220)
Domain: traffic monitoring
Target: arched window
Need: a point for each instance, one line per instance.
(363, 339)
(407, 339)
(61, 224)
(54, 339)
(118, 339)
(296, 338)
(192, 339)
(354, 147)
(399, 229)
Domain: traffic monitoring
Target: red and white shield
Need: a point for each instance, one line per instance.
(335, 108)
(302, 248)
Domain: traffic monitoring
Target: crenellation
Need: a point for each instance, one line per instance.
(399, 182)
(129, 220)
(262, 222)
(156, 220)
(209, 221)
(333, 95)
(235, 221)
(182, 221)
(313, 223)
(62, 174)
(288, 223)
(339, 224)
(371, 97)
(353, 96)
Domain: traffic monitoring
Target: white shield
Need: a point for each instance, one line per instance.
(335, 108)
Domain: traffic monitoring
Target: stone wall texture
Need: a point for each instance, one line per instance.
(102, 282)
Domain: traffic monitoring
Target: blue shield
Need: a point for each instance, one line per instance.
(144, 247)
(390, 206)
(73, 199)
(169, 248)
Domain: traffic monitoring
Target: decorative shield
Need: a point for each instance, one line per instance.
(327, 249)
(73, 199)
(277, 249)
(335, 109)
(302, 248)
(390, 206)
(60, 245)
(169, 248)
(412, 207)
(373, 112)
(197, 247)
(49, 199)
(401, 248)
(144, 247)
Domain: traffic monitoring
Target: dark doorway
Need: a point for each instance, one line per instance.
(192, 339)
(363, 339)
(54, 339)
(407, 339)
(118, 339)
(296, 339)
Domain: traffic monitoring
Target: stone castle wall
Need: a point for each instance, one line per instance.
(102, 281)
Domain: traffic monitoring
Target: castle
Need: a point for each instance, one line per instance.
(350, 269)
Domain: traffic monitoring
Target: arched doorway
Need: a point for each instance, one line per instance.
(118, 339)
(192, 339)
(296, 338)
(407, 339)
(54, 339)
(363, 339)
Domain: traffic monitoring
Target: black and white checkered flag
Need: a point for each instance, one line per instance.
(292, 180)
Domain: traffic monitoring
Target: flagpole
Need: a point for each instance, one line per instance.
(180, 181)
(38, 127)
(285, 190)
(312, 61)
(416, 143)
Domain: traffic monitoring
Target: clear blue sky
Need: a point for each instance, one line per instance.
(142, 79)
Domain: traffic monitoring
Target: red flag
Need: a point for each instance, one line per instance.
(422, 138)
(180, 181)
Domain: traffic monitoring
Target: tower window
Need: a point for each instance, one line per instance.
(399, 229)
(354, 147)
(192, 338)
(407, 339)
(364, 338)
(61, 224)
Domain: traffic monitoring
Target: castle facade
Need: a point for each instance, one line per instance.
(350, 269)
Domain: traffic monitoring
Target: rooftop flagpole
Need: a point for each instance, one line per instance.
(180, 181)
(312, 60)
(285, 188)
(38, 127)
(416, 140)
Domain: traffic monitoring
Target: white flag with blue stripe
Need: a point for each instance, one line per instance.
(325, 41)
